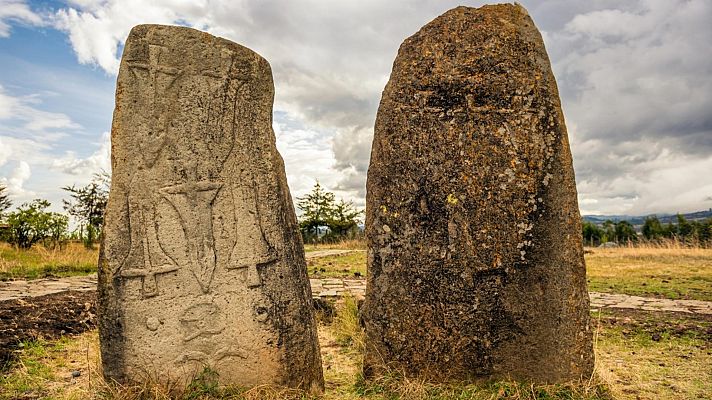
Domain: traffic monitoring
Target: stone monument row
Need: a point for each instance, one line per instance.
(202, 264)
(475, 264)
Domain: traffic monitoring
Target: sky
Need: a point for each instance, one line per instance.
(635, 79)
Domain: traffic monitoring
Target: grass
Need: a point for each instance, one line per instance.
(673, 273)
(656, 356)
(347, 244)
(349, 265)
(669, 271)
(640, 355)
(40, 262)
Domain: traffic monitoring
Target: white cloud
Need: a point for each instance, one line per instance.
(307, 154)
(16, 11)
(98, 161)
(20, 114)
(635, 79)
(637, 90)
(28, 137)
(16, 180)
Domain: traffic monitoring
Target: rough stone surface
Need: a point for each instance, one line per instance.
(475, 265)
(202, 263)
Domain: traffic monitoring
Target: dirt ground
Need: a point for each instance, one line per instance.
(46, 317)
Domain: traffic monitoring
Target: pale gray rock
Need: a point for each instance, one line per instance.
(202, 264)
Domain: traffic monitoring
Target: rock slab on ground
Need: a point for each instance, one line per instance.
(202, 264)
(475, 265)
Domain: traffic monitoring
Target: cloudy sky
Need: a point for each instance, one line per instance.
(635, 78)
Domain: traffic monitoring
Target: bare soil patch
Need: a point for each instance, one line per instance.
(44, 317)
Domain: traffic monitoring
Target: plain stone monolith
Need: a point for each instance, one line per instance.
(475, 264)
(202, 265)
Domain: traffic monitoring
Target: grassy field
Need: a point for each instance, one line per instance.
(350, 265)
(674, 273)
(639, 356)
(40, 262)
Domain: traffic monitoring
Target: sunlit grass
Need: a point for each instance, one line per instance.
(39, 261)
(674, 273)
(349, 265)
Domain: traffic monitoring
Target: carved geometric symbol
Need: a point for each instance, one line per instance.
(201, 319)
(154, 67)
(251, 249)
(205, 358)
(146, 258)
(153, 143)
(193, 202)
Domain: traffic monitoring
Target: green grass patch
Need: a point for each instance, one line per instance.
(650, 272)
(40, 262)
(350, 265)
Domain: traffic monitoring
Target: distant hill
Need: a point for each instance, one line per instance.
(639, 220)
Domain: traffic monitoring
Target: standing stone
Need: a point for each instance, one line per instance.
(475, 266)
(202, 264)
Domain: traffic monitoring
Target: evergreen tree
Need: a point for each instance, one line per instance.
(321, 211)
(609, 231)
(684, 227)
(317, 208)
(344, 218)
(625, 232)
(592, 234)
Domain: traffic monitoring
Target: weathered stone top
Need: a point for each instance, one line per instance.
(470, 124)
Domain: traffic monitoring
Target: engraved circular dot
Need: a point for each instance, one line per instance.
(261, 314)
(152, 323)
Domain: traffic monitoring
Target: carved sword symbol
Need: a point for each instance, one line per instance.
(146, 258)
(251, 249)
(193, 201)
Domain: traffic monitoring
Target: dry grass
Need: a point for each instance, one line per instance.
(670, 272)
(44, 370)
(655, 359)
(39, 261)
(346, 244)
(631, 364)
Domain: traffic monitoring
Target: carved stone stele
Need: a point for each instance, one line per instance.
(201, 264)
(475, 265)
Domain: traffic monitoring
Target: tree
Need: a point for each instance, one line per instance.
(608, 232)
(88, 205)
(344, 218)
(320, 210)
(317, 208)
(652, 228)
(31, 223)
(625, 232)
(684, 227)
(57, 225)
(592, 234)
(704, 231)
(5, 202)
